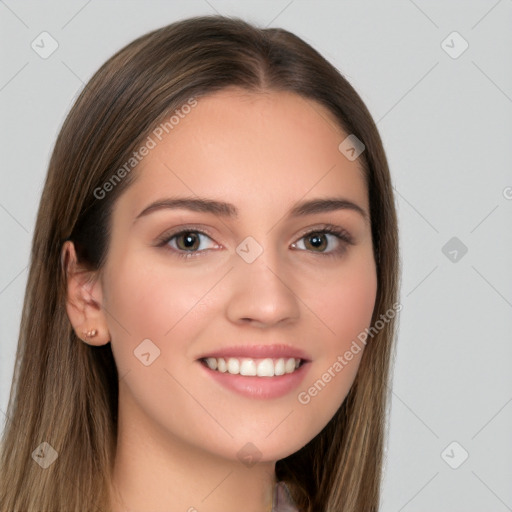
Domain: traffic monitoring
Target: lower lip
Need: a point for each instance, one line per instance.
(259, 387)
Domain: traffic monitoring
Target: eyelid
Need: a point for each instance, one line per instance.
(329, 228)
(183, 229)
(341, 233)
(163, 240)
(344, 238)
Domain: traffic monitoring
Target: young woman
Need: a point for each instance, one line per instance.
(210, 310)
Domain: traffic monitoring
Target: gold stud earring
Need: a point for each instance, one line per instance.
(90, 334)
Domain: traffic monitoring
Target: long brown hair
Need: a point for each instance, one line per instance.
(64, 391)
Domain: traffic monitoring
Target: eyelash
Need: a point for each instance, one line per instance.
(343, 236)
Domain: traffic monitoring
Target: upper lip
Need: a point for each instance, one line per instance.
(258, 352)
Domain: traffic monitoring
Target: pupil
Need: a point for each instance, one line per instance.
(189, 240)
(317, 241)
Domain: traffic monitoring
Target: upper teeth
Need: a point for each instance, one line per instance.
(260, 367)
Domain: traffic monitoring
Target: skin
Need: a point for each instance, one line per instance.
(180, 431)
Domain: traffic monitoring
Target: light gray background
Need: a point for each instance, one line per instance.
(446, 124)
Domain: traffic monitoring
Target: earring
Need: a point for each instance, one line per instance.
(90, 334)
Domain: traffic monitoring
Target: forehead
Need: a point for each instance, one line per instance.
(266, 148)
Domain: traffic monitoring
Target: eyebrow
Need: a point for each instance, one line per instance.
(204, 205)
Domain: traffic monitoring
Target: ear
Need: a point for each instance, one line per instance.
(84, 299)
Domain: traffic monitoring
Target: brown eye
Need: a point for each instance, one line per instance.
(328, 241)
(188, 241)
(316, 242)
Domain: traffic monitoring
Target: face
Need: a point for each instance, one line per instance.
(248, 268)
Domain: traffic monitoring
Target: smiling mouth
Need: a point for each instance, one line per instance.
(246, 366)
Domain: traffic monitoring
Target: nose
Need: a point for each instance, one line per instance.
(262, 293)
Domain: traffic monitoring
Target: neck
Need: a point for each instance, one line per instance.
(155, 471)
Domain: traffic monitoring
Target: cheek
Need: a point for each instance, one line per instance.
(344, 300)
(161, 304)
(151, 301)
(350, 305)
(345, 308)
